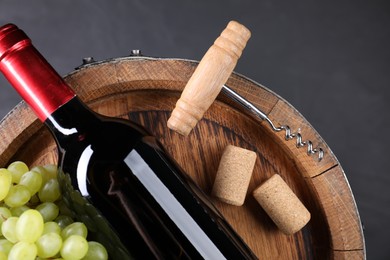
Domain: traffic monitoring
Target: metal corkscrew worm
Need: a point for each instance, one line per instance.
(289, 134)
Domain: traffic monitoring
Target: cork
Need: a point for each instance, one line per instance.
(282, 205)
(233, 175)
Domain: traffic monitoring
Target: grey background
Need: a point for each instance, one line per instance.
(329, 59)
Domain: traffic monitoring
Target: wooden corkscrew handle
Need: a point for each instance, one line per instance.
(207, 80)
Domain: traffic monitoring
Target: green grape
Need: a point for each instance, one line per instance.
(77, 198)
(5, 246)
(51, 227)
(18, 195)
(5, 182)
(8, 228)
(48, 230)
(74, 247)
(47, 172)
(5, 213)
(34, 199)
(76, 228)
(23, 250)
(48, 210)
(87, 220)
(50, 191)
(96, 251)
(17, 211)
(3, 256)
(49, 245)
(64, 209)
(32, 180)
(64, 221)
(17, 169)
(29, 226)
(51, 170)
(41, 170)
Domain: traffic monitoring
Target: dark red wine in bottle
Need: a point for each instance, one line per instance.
(114, 175)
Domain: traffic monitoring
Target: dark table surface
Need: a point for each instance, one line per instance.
(329, 59)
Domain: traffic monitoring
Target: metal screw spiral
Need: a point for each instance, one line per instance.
(289, 134)
(300, 143)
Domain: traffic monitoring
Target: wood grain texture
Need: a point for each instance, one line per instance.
(145, 90)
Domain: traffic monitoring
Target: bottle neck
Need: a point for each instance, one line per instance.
(71, 118)
(30, 74)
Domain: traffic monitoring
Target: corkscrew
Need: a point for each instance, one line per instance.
(289, 134)
(208, 80)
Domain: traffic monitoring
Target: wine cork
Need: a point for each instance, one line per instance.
(233, 175)
(282, 205)
(208, 78)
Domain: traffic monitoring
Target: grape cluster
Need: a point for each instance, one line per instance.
(35, 223)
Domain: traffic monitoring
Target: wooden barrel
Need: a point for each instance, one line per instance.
(145, 90)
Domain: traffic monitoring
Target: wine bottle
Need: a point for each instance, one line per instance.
(114, 175)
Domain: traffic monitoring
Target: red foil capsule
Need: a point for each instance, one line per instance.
(30, 74)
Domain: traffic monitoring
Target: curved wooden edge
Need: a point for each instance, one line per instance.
(341, 212)
(325, 177)
(115, 77)
(22, 131)
(347, 255)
